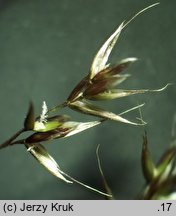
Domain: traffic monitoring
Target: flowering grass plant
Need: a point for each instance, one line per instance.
(99, 84)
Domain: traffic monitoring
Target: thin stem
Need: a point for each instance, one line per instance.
(9, 141)
(22, 141)
(60, 106)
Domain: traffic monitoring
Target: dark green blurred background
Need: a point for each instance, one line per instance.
(46, 47)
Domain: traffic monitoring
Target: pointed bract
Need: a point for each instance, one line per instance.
(80, 126)
(148, 167)
(78, 90)
(165, 165)
(66, 129)
(111, 94)
(112, 70)
(30, 118)
(88, 108)
(101, 58)
(116, 93)
(103, 85)
(45, 159)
